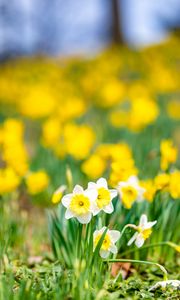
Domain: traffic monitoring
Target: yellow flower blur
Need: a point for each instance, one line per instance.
(161, 182)
(78, 139)
(150, 189)
(168, 154)
(173, 109)
(174, 185)
(37, 182)
(94, 166)
(9, 180)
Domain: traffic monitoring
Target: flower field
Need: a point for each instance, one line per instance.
(90, 175)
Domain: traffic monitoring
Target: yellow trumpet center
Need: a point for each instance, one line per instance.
(103, 198)
(129, 195)
(80, 204)
(145, 233)
(106, 242)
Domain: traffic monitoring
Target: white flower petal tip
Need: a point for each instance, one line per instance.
(84, 219)
(143, 220)
(66, 200)
(77, 189)
(115, 235)
(133, 179)
(113, 193)
(175, 284)
(132, 239)
(102, 182)
(109, 209)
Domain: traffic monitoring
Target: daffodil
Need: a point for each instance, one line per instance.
(143, 231)
(104, 196)
(108, 244)
(130, 191)
(79, 204)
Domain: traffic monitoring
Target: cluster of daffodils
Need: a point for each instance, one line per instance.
(84, 204)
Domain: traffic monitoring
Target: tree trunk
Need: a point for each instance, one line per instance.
(117, 36)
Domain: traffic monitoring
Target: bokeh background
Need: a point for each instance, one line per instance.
(73, 27)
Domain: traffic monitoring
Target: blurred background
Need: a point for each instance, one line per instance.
(74, 27)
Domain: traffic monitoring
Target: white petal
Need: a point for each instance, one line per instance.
(133, 180)
(95, 209)
(175, 283)
(96, 232)
(78, 189)
(92, 185)
(66, 200)
(115, 235)
(113, 193)
(69, 214)
(163, 284)
(113, 249)
(143, 220)
(104, 254)
(91, 194)
(141, 192)
(108, 208)
(102, 183)
(139, 241)
(103, 229)
(122, 184)
(132, 239)
(84, 219)
(150, 224)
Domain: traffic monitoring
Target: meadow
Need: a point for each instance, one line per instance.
(90, 175)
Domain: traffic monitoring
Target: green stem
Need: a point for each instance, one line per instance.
(79, 237)
(140, 262)
(125, 227)
(146, 247)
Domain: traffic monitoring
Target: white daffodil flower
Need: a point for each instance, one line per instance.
(79, 204)
(104, 196)
(143, 231)
(108, 244)
(175, 284)
(130, 191)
